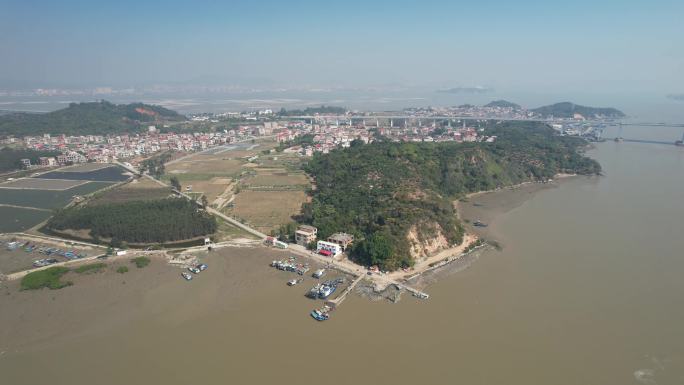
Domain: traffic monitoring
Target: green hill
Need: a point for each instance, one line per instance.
(388, 195)
(503, 104)
(98, 118)
(568, 110)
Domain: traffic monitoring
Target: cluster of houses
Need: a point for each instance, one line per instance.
(99, 148)
(332, 246)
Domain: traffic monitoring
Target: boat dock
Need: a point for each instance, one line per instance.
(340, 298)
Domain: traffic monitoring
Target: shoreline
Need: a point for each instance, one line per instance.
(470, 237)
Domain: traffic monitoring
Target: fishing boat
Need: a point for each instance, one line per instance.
(319, 273)
(321, 314)
(293, 282)
(326, 290)
(479, 224)
(314, 292)
(187, 276)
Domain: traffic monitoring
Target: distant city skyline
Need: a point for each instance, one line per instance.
(599, 46)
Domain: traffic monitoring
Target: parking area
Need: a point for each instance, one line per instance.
(18, 253)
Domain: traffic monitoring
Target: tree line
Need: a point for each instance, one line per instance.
(10, 158)
(156, 221)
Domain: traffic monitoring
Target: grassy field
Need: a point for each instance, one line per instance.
(138, 189)
(50, 278)
(276, 179)
(270, 187)
(140, 262)
(267, 210)
(226, 232)
(212, 188)
(90, 268)
(198, 167)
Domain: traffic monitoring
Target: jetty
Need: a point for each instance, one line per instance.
(334, 303)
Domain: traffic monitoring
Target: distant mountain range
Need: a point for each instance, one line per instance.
(92, 118)
(568, 110)
(466, 90)
(676, 96)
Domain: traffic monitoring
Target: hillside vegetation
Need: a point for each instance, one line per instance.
(503, 104)
(92, 118)
(382, 191)
(10, 158)
(568, 110)
(157, 221)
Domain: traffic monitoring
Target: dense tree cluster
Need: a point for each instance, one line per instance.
(568, 110)
(155, 164)
(307, 139)
(10, 158)
(380, 191)
(157, 221)
(92, 118)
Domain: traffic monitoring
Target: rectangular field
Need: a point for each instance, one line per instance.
(277, 179)
(107, 174)
(42, 184)
(267, 210)
(16, 219)
(200, 167)
(47, 199)
(136, 190)
(85, 167)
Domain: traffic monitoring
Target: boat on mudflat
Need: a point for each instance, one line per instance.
(326, 290)
(321, 314)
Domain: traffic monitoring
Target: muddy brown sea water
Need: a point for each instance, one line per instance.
(587, 290)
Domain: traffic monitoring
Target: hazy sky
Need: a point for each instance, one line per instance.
(575, 44)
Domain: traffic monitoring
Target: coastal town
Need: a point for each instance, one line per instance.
(303, 135)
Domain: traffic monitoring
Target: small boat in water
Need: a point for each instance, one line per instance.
(479, 224)
(319, 273)
(293, 282)
(321, 314)
(187, 276)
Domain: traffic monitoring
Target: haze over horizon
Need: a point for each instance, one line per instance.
(582, 46)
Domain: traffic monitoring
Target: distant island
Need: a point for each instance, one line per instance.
(503, 104)
(676, 96)
(571, 110)
(396, 197)
(91, 118)
(466, 90)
